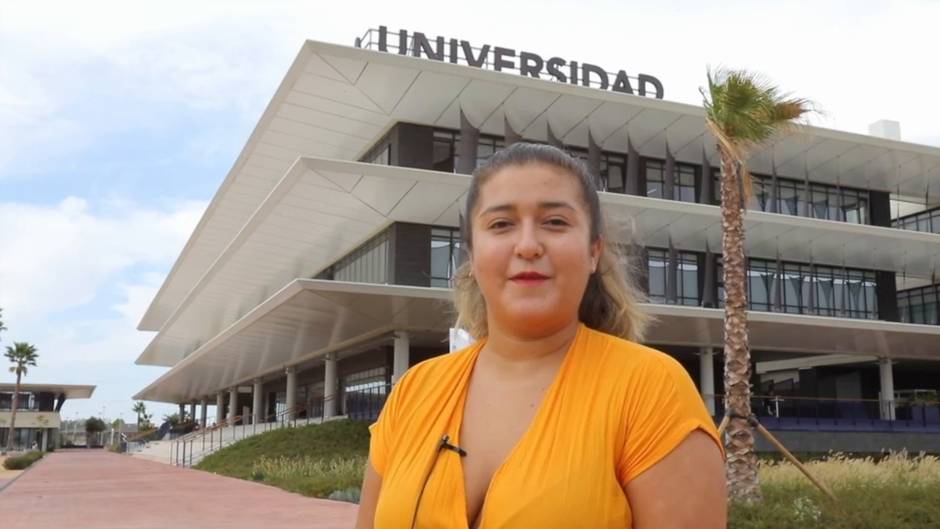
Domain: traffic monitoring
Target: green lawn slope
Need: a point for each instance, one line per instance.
(316, 460)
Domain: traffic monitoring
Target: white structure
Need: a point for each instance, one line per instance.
(319, 271)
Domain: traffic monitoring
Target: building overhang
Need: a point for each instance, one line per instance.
(322, 209)
(71, 391)
(336, 101)
(310, 318)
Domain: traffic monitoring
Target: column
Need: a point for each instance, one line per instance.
(594, 162)
(45, 439)
(706, 360)
(708, 193)
(182, 413)
(192, 411)
(467, 147)
(329, 387)
(402, 346)
(232, 403)
(669, 175)
(219, 407)
(291, 391)
(886, 397)
(257, 406)
(203, 410)
(633, 170)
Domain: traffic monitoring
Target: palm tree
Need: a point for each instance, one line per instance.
(22, 355)
(743, 112)
(141, 410)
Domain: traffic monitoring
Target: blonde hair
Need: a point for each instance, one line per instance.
(611, 299)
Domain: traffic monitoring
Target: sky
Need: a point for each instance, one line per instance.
(119, 120)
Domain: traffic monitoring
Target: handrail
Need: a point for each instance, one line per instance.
(141, 435)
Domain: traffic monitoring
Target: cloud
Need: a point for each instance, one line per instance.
(60, 257)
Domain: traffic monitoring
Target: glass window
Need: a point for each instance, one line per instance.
(655, 171)
(445, 255)
(657, 275)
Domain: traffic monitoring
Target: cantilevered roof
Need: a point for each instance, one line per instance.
(322, 209)
(69, 390)
(336, 101)
(310, 318)
(306, 319)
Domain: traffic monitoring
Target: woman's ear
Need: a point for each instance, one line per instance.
(597, 249)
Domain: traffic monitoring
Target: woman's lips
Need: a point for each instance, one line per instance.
(528, 278)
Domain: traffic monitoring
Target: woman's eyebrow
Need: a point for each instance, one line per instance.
(498, 208)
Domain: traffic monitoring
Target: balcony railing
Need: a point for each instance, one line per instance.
(850, 415)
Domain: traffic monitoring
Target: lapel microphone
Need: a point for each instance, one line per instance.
(445, 444)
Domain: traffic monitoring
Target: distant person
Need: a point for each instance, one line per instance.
(555, 417)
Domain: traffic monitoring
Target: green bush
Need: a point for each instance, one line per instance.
(22, 461)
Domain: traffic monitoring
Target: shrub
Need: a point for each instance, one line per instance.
(22, 461)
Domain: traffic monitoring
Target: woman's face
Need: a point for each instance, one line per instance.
(531, 249)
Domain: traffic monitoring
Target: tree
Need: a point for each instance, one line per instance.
(93, 425)
(743, 112)
(141, 410)
(22, 355)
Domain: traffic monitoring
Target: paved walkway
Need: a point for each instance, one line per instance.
(101, 490)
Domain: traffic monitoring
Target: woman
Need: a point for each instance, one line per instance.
(553, 419)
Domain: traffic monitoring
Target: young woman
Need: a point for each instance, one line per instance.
(555, 417)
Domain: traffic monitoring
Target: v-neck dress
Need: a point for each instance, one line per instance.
(614, 409)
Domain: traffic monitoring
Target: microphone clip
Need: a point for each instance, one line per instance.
(445, 444)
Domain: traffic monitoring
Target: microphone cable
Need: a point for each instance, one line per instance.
(443, 443)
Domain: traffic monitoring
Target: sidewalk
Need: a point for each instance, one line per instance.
(101, 490)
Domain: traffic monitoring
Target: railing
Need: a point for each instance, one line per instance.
(862, 415)
(193, 446)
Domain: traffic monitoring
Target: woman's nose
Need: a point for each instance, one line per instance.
(528, 246)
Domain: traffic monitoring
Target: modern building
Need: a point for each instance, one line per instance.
(37, 413)
(320, 270)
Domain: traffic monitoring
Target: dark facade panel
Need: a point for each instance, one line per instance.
(880, 208)
(887, 293)
(411, 254)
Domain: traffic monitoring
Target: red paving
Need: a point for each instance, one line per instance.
(101, 490)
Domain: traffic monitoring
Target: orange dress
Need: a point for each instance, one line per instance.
(614, 409)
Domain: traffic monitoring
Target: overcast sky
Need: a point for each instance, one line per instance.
(119, 122)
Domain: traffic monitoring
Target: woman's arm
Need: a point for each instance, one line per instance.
(684, 489)
(371, 485)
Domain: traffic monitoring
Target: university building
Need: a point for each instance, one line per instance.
(321, 269)
(38, 417)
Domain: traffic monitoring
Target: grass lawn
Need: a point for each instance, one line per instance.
(895, 492)
(314, 460)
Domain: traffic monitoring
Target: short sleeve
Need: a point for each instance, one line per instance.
(662, 408)
(383, 430)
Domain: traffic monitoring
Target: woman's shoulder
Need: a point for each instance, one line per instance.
(617, 355)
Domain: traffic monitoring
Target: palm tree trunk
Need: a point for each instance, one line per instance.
(741, 459)
(16, 398)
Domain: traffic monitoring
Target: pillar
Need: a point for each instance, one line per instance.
(594, 162)
(886, 396)
(45, 439)
(706, 359)
(672, 275)
(669, 176)
(402, 346)
(632, 185)
(329, 387)
(552, 139)
(219, 407)
(232, 402)
(291, 401)
(467, 148)
(192, 411)
(257, 406)
(182, 413)
(203, 411)
(510, 135)
(707, 187)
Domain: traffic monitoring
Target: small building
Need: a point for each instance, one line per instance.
(37, 412)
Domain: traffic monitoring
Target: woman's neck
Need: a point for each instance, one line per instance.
(512, 349)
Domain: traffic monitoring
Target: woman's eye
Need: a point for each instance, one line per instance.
(557, 222)
(498, 224)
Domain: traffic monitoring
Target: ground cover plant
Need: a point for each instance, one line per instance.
(897, 491)
(894, 492)
(22, 461)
